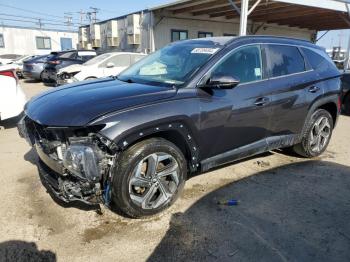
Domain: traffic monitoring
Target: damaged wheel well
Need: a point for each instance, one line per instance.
(184, 143)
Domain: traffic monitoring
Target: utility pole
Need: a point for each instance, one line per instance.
(81, 14)
(94, 13)
(69, 19)
(40, 23)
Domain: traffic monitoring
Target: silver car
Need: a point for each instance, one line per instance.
(33, 68)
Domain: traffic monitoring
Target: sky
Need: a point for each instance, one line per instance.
(52, 14)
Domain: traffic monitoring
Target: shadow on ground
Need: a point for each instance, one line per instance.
(11, 122)
(297, 212)
(21, 251)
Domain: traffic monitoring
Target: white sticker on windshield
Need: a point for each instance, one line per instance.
(203, 50)
(257, 71)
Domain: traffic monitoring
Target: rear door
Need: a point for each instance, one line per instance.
(292, 81)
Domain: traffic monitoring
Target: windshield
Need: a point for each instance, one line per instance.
(97, 59)
(173, 64)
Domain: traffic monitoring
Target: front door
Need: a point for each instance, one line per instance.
(237, 117)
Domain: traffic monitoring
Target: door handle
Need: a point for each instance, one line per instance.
(313, 89)
(261, 101)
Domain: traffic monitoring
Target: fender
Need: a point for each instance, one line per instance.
(162, 129)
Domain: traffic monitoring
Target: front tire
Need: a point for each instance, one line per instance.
(317, 135)
(148, 177)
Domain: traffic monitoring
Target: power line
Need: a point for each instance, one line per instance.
(30, 11)
(40, 23)
(35, 18)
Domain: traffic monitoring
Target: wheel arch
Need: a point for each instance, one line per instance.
(177, 133)
(329, 103)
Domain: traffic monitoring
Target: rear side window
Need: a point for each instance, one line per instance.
(284, 60)
(316, 59)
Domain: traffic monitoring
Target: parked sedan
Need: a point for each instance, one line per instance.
(100, 66)
(33, 68)
(12, 97)
(63, 59)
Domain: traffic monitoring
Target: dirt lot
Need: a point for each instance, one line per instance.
(291, 209)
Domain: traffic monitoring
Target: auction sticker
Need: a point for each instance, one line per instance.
(202, 50)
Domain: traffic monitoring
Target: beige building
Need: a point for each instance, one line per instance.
(151, 29)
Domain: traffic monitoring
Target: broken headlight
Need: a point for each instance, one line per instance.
(82, 161)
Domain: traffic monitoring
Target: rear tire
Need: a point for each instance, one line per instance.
(148, 177)
(317, 135)
(346, 105)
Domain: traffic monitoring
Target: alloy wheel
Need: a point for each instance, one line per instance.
(320, 134)
(154, 181)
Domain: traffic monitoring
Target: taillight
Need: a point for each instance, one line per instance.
(55, 62)
(10, 73)
(339, 103)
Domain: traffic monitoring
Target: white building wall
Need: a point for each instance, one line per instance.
(23, 40)
(165, 22)
(162, 32)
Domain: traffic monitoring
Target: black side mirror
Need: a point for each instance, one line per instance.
(222, 81)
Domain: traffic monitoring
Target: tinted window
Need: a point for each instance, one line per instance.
(315, 59)
(204, 34)
(243, 64)
(70, 55)
(177, 35)
(284, 60)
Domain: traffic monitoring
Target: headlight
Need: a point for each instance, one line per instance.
(82, 161)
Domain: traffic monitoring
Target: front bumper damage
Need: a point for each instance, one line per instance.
(73, 182)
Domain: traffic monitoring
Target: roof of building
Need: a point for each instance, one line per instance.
(310, 14)
(37, 28)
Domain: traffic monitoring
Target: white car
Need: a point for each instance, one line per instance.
(104, 65)
(12, 97)
(17, 65)
(8, 58)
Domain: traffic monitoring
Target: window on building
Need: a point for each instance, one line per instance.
(177, 35)
(204, 34)
(244, 64)
(43, 42)
(284, 60)
(227, 34)
(2, 42)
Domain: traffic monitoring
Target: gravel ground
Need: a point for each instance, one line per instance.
(291, 209)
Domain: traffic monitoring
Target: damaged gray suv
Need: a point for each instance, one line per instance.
(130, 141)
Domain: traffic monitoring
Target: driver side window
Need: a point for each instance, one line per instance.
(244, 64)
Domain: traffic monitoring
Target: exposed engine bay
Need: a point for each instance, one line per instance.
(75, 163)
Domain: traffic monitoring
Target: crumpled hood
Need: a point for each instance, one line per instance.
(78, 104)
(71, 69)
